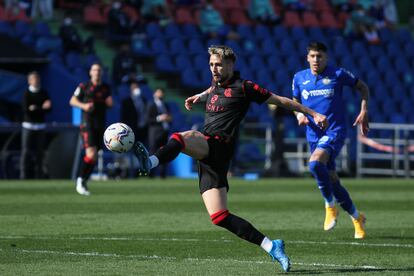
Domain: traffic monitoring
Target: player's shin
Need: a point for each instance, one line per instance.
(344, 200)
(321, 174)
(170, 151)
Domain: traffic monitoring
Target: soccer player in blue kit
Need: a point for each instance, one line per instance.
(320, 88)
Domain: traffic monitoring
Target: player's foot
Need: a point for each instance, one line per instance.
(82, 187)
(142, 155)
(331, 213)
(359, 225)
(278, 254)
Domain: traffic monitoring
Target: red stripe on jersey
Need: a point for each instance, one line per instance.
(178, 137)
(216, 218)
(88, 160)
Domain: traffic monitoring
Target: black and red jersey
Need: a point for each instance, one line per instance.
(227, 105)
(87, 92)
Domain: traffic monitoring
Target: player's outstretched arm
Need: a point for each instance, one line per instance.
(362, 118)
(287, 103)
(198, 98)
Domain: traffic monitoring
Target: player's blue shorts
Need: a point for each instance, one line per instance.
(331, 145)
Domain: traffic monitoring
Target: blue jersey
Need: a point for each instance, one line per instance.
(323, 93)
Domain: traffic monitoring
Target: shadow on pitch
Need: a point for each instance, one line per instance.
(349, 270)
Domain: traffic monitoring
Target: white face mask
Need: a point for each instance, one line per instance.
(136, 92)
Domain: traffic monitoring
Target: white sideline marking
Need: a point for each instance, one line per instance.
(155, 257)
(202, 240)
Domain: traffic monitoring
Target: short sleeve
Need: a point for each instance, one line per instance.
(295, 88)
(79, 91)
(255, 92)
(346, 77)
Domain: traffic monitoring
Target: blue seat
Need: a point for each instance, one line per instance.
(6, 28)
(196, 46)
(200, 61)
(73, 60)
(153, 30)
(383, 64)
(409, 49)
(280, 32)
(262, 32)
(398, 119)
(22, 28)
(298, 34)
(182, 62)
(255, 62)
(46, 44)
(391, 79)
(172, 31)
(393, 49)
(159, 46)
(287, 47)
(140, 46)
(398, 93)
(177, 46)
(340, 48)
(365, 64)
(241, 63)
(235, 46)
(372, 78)
(283, 79)
(249, 46)
(190, 78)
(293, 63)
(190, 31)
(264, 78)
(206, 77)
(316, 34)
(401, 65)
(385, 35)
(164, 63)
(245, 31)
(358, 49)
(376, 51)
(274, 62)
(41, 29)
(268, 46)
(403, 35)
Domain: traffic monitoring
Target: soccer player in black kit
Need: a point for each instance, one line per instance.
(93, 98)
(226, 104)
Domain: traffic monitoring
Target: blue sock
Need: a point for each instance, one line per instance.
(343, 198)
(320, 172)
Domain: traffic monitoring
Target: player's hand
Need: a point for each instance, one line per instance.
(32, 107)
(362, 121)
(46, 105)
(190, 101)
(302, 119)
(321, 121)
(88, 107)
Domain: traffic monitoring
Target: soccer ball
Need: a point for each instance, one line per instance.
(119, 138)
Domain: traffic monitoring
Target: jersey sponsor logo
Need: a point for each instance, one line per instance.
(227, 92)
(327, 93)
(215, 108)
(214, 99)
(326, 81)
(306, 82)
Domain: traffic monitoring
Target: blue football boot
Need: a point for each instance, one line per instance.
(278, 254)
(142, 155)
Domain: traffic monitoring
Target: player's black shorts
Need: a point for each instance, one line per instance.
(92, 137)
(212, 171)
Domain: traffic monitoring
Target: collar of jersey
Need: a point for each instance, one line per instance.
(236, 75)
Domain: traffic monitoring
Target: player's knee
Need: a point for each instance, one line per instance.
(333, 177)
(219, 216)
(179, 138)
(315, 167)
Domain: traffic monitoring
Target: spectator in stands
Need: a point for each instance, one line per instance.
(384, 12)
(133, 112)
(212, 25)
(119, 23)
(124, 67)
(156, 10)
(342, 5)
(262, 12)
(320, 87)
(93, 98)
(361, 24)
(296, 5)
(42, 8)
(72, 40)
(36, 103)
(159, 119)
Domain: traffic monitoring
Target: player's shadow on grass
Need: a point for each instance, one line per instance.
(340, 271)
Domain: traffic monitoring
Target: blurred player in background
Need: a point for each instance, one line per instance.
(93, 98)
(226, 104)
(36, 103)
(320, 88)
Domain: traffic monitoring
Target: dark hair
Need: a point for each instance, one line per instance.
(223, 51)
(317, 46)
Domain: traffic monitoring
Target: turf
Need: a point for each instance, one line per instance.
(160, 227)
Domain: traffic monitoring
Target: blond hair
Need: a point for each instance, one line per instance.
(225, 52)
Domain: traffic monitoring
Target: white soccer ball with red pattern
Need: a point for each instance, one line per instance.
(119, 138)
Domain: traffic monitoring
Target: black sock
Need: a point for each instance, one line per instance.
(86, 168)
(169, 152)
(242, 228)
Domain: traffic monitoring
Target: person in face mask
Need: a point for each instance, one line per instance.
(36, 103)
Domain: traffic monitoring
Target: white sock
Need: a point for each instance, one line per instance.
(154, 161)
(355, 214)
(330, 203)
(266, 244)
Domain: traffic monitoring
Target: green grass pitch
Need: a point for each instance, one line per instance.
(160, 227)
